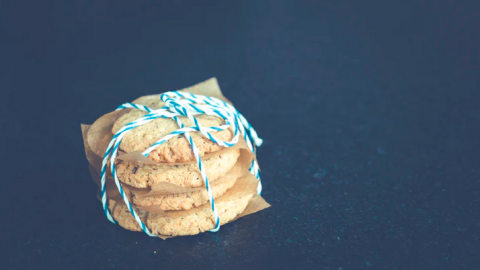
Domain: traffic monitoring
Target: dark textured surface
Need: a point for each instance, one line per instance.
(369, 113)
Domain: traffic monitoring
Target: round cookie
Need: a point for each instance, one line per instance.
(123, 216)
(176, 149)
(193, 222)
(188, 200)
(184, 175)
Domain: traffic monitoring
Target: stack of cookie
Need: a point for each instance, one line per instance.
(166, 189)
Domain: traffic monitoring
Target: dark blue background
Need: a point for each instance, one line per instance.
(369, 111)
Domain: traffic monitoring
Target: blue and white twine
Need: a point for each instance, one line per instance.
(188, 105)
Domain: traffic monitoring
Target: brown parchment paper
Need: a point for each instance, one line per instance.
(98, 135)
(92, 158)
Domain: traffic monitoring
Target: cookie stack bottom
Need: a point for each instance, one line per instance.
(192, 223)
(189, 222)
(171, 199)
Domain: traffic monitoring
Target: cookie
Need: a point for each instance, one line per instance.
(198, 221)
(193, 222)
(187, 200)
(176, 149)
(122, 215)
(184, 175)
